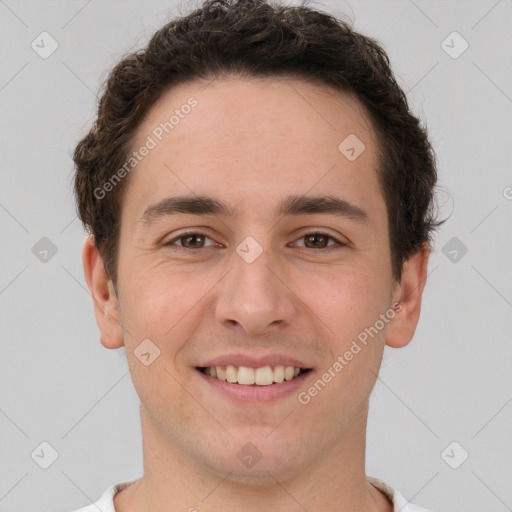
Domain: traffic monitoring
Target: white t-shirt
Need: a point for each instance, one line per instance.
(400, 504)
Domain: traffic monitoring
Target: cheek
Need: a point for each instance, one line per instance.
(166, 306)
(156, 300)
(348, 301)
(351, 305)
(161, 395)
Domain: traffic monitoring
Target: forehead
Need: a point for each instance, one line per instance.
(252, 141)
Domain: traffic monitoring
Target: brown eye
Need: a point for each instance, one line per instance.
(319, 240)
(191, 240)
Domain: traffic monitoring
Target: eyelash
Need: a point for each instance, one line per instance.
(338, 245)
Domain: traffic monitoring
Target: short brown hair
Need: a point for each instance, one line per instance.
(259, 38)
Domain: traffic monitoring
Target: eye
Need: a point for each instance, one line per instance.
(190, 240)
(193, 240)
(319, 240)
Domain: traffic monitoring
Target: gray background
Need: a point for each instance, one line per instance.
(452, 383)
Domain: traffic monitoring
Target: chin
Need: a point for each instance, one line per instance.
(257, 462)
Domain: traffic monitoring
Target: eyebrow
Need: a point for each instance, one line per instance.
(292, 205)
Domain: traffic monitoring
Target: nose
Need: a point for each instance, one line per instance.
(255, 296)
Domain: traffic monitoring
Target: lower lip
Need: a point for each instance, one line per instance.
(243, 393)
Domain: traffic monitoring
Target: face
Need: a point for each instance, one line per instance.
(253, 277)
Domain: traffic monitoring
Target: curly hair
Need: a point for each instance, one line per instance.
(259, 38)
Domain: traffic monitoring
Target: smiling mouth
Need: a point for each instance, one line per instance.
(264, 376)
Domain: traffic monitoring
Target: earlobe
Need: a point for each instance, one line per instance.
(408, 294)
(104, 297)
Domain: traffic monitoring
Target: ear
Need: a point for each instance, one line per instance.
(407, 294)
(103, 295)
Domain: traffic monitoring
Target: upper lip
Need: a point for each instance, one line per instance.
(254, 361)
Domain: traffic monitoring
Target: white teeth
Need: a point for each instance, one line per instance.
(221, 374)
(263, 376)
(279, 374)
(246, 375)
(231, 373)
(288, 373)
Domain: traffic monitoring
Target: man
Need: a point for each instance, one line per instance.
(259, 202)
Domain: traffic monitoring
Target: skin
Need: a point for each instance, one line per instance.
(252, 143)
